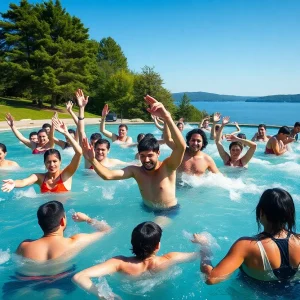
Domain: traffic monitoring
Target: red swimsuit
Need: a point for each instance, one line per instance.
(59, 188)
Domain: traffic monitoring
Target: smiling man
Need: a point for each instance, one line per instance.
(156, 179)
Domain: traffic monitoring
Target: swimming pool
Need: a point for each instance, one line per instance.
(222, 206)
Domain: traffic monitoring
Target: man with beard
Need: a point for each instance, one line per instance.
(156, 179)
(195, 162)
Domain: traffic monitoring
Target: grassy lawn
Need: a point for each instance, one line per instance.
(23, 109)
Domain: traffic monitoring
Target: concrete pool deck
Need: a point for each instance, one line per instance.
(28, 123)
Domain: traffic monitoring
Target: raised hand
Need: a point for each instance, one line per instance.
(8, 185)
(225, 120)
(216, 117)
(59, 125)
(9, 119)
(231, 138)
(69, 106)
(105, 111)
(88, 150)
(80, 217)
(156, 108)
(81, 100)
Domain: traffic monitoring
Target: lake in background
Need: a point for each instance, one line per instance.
(253, 112)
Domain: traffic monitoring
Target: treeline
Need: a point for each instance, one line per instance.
(276, 98)
(46, 54)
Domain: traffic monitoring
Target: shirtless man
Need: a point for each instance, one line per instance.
(277, 143)
(145, 240)
(4, 163)
(100, 145)
(295, 131)
(204, 124)
(261, 134)
(122, 137)
(195, 162)
(156, 179)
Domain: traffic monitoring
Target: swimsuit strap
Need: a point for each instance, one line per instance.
(266, 262)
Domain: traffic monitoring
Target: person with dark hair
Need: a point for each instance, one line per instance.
(47, 127)
(156, 179)
(233, 159)
(272, 255)
(44, 143)
(95, 137)
(4, 163)
(66, 144)
(180, 126)
(53, 245)
(204, 124)
(277, 143)
(54, 180)
(261, 134)
(33, 136)
(145, 241)
(102, 147)
(123, 129)
(295, 131)
(195, 162)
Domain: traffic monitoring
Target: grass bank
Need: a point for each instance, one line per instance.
(24, 109)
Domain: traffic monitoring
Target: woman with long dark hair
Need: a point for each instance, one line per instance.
(272, 255)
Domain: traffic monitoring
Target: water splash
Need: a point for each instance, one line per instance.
(4, 256)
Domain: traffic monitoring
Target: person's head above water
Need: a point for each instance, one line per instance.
(145, 239)
(180, 126)
(297, 127)
(51, 216)
(235, 149)
(123, 128)
(241, 136)
(42, 137)
(261, 129)
(102, 147)
(196, 139)
(283, 133)
(94, 138)
(33, 136)
(47, 127)
(276, 210)
(148, 149)
(52, 160)
(3, 151)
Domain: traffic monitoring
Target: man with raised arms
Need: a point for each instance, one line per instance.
(122, 134)
(195, 162)
(156, 179)
(101, 146)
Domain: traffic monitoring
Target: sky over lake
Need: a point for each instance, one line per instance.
(237, 47)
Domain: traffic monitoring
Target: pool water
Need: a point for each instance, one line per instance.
(221, 206)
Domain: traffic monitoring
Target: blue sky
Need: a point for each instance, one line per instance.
(237, 47)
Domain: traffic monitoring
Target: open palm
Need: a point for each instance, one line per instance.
(81, 100)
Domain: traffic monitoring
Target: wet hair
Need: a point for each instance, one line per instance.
(236, 144)
(49, 216)
(262, 125)
(217, 127)
(32, 133)
(241, 136)
(95, 136)
(278, 207)
(42, 130)
(3, 147)
(148, 144)
(297, 124)
(140, 137)
(123, 125)
(50, 152)
(149, 135)
(144, 239)
(46, 125)
(103, 142)
(197, 131)
(72, 131)
(284, 130)
(179, 123)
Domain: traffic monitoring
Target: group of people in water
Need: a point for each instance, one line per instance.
(272, 255)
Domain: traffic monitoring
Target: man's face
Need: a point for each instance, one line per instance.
(101, 152)
(196, 142)
(34, 138)
(261, 131)
(122, 131)
(297, 129)
(205, 124)
(149, 159)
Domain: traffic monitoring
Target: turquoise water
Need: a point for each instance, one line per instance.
(254, 113)
(222, 206)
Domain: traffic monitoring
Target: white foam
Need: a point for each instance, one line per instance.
(29, 193)
(4, 256)
(104, 290)
(108, 192)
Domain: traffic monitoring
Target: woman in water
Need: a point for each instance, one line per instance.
(4, 163)
(272, 255)
(235, 148)
(44, 143)
(54, 180)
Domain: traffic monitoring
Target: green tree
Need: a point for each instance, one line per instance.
(187, 111)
